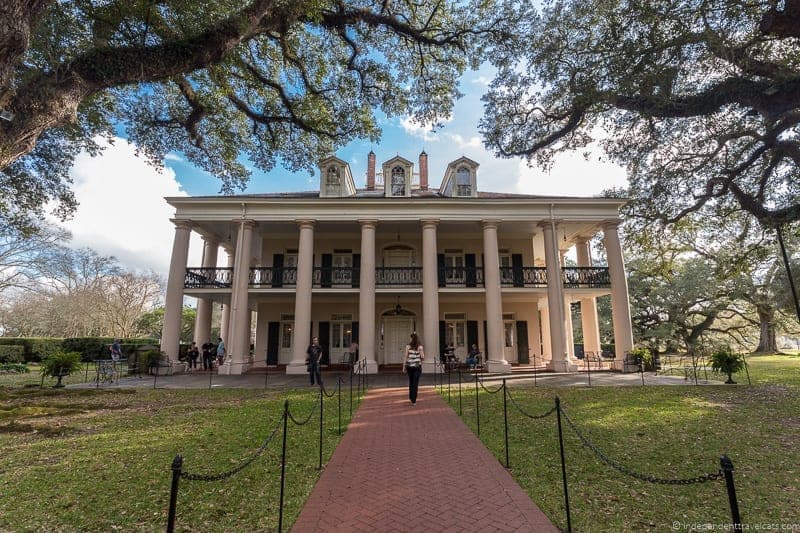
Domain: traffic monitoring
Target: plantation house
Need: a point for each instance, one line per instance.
(371, 265)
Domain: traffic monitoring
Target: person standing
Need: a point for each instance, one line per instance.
(412, 365)
(313, 359)
(193, 354)
(208, 355)
(116, 350)
(220, 352)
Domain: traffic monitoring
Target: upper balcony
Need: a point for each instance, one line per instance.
(399, 277)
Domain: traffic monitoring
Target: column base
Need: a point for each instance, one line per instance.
(372, 366)
(428, 367)
(498, 367)
(559, 366)
(233, 368)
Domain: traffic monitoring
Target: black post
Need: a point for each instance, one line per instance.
(266, 376)
(534, 369)
(155, 376)
(339, 398)
(588, 368)
(86, 375)
(727, 469)
(283, 463)
(694, 367)
(641, 368)
(448, 385)
(321, 395)
(210, 375)
(788, 271)
(459, 393)
(477, 406)
(505, 421)
(563, 464)
(97, 380)
(177, 466)
(747, 370)
(351, 392)
(41, 385)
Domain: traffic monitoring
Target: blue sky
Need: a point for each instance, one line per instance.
(122, 211)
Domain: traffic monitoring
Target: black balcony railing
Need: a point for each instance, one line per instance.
(262, 277)
(348, 277)
(575, 277)
(398, 276)
(208, 278)
(461, 276)
(336, 276)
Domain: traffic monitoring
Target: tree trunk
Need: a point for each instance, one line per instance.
(767, 340)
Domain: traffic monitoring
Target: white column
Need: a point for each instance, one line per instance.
(555, 299)
(430, 295)
(534, 338)
(366, 296)
(173, 302)
(591, 330)
(225, 308)
(570, 346)
(620, 306)
(302, 302)
(547, 349)
(238, 345)
(260, 349)
(202, 324)
(496, 360)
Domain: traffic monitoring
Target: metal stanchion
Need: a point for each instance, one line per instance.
(448, 385)
(155, 376)
(477, 406)
(563, 464)
(727, 469)
(321, 395)
(283, 464)
(505, 420)
(534, 369)
(177, 466)
(339, 398)
(588, 367)
(266, 375)
(210, 374)
(459, 393)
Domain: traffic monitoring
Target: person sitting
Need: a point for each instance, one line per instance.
(450, 356)
(473, 357)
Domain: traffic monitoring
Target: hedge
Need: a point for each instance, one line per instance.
(90, 348)
(12, 354)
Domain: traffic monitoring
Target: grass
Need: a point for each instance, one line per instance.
(34, 377)
(99, 460)
(668, 432)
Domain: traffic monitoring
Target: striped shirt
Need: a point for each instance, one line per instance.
(413, 359)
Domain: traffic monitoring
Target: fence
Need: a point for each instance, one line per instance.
(177, 467)
(725, 471)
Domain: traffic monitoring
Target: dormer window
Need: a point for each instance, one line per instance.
(332, 181)
(463, 182)
(398, 181)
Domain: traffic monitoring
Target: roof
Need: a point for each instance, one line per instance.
(415, 193)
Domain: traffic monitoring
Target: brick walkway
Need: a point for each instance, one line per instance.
(389, 474)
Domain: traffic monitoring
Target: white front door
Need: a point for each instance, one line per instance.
(396, 334)
(510, 341)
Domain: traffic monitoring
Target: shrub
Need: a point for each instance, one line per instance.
(61, 364)
(34, 348)
(723, 360)
(645, 355)
(12, 354)
(14, 368)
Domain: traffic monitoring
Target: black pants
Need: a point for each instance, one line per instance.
(414, 373)
(193, 361)
(313, 370)
(208, 362)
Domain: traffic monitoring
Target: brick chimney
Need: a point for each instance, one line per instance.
(371, 171)
(423, 171)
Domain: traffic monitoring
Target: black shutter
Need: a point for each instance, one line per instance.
(327, 270)
(485, 341)
(355, 338)
(356, 271)
(325, 341)
(469, 264)
(472, 333)
(516, 267)
(522, 342)
(440, 269)
(442, 339)
(273, 340)
(277, 270)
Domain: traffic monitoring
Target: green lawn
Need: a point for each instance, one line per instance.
(668, 432)
(99, 460)
(34, 377)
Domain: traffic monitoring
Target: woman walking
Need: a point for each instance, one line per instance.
(412, 365)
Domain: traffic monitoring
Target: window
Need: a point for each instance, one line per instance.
(454, 267)
(463, 182)
(287, 325)
(342, 268)
(508, 330)
(455, 329)
(341, 332)
(398, 181)
(332, 180)
(506, 271)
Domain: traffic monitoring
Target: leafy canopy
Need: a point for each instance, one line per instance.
(272, 81)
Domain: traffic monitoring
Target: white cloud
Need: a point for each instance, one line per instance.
(122, 211)
(571, 175)
(481, 80)
(173, 157)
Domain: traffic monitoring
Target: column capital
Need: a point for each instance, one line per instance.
(182, 224)
(306, 223)
(246, 222)
(211, 241)
(428, 222)
(610, 224)
(490, 223)
(368, 222)
(582, 240)
(549, 223)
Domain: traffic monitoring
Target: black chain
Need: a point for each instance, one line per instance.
(534, 417)
(304, 422)
(625, 470)
(332, 394)
(491, 391)
(241, 466)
